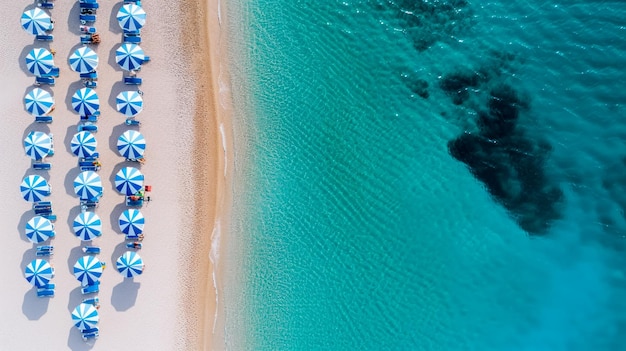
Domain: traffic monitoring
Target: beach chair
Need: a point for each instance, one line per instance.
(132, 80)
(43, 119)
(90, 127)
(87, 18)
(90, 118)
(90, 289)
(42, 166)
(132, 122)
(46, 5)
(44, 37)
(131, 39)
(93, 250)
(44, 80)
(89, 5)
(45, 292)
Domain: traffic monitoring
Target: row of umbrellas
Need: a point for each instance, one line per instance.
(131, 144)
(85, 101)
(87, 185)
(87, 269)
(130, 17)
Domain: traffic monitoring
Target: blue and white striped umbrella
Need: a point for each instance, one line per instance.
(131, 17)
(85, 316)
(83, 144)
(39, 61)
(130, 264)
(37, 145)
(87, 226)
(38, 102)
(36, 21)
(129, 103)
(38, 272)
(88, 185)
(34, 188)
(128, 181)
(39, 229)
(129, 56)
(85, 101)
(88, 270)
(131, 145)
(131, 222)
(84, 60)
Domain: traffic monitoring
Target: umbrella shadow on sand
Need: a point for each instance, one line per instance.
(125, 293)
(75, 341)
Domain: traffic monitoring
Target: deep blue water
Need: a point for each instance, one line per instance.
(429, 175)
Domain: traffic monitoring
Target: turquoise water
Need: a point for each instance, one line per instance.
(442, 175)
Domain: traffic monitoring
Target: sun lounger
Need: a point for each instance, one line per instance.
(134, 245)
(44, 80)
(132, 122)
(94, 250)
(89, 336)
(90, 330)
(42, 204)
(45, 293)
(45, 248)
(88, 205)
(44, 37)
(88, 1)
(90, 75)
(88, 29)
(92, 158)
(90, 118)
(50, 216)
(49, 286)
(46, 5)
(43, 119)
(88, 127)
(92, 301)
(85, 163)
(54, 73)
(131, 202)
(42, 166)
(132, 39)
(90, 289)
(86, 39)
(90, 83)
(146, 59)
(132, 80)
(44, 253)
(89, 5)
(87, 18)
(89, 168)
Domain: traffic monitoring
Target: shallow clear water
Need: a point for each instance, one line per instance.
(360, 227)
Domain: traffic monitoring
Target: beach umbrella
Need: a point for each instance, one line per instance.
(85, 316)
(131, 17)
(88, 270)
(84, 60)
(39, 229)
(88, 185)
(131, 222)
(83, 144)
(129, 56)
(38, 272)
(131, 145)
(37, 145)
(36, 21)
(39, 61)
(87, 226)
(85, 101)
(38, 102)
(130, 264)
(129, 103)
(34, 188)
(128, 181)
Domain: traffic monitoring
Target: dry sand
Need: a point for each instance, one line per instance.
(186, 122)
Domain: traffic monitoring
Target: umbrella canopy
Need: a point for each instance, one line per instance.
(129, 56)
(37, 145)
(131, 17)
(129, 103)
(131, 145)
(88, 185)
(85, 101)
(84, 60)
(85, 316)
(34, 188)
(39, 61)
(131, 222)
(38, 272)
(128, 181)
(38, 102)
(39, 229)
(130, 264)
(36, 21)
(83, 144)
(88, 270)
(87, 226)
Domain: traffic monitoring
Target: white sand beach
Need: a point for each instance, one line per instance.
(172, 305)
